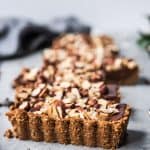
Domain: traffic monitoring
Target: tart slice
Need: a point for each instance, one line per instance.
(123, 71)
(116, 68)
(59, 65)
(89, 114)
(75, 43)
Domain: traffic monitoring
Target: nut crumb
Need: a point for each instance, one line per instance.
(8, 133)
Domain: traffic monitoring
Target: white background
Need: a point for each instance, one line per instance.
(104, 14)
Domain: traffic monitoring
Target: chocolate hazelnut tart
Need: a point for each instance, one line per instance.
(117, 69)
(61, 113)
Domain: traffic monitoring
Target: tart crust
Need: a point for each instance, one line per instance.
(94, 133)
(131, 79)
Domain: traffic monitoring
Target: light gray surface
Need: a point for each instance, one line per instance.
(136, 96)
(105, 14)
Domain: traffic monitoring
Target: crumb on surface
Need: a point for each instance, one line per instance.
(9, 134)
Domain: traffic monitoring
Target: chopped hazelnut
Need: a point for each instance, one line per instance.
(65, 85)
(37, 91)
(85, 84)
(131, 65)
(92, 102)
(24, 105)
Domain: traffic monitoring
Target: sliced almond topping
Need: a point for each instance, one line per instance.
(73, 113)
(37, 91)
(48, 72)
(99, 55)
(61, 55)
(94, 91)
(92, 115)
(86, 84)
(59, 94)
(24, 105)
(31, 75)
(75, 92)
(92, 102)
(68, 100)
(131, 65)
(49, 55)
(81, 102)
(103, 102)
(60, 112)
(118, 63)
(109, 68)
(56, 110)
(109, 110)
(65, 84)
(80, 64)
(22, 95)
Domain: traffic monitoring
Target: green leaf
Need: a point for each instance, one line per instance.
(144, 43)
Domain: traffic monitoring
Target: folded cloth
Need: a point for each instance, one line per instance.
(21, 37)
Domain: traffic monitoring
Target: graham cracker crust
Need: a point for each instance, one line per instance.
(93, 133)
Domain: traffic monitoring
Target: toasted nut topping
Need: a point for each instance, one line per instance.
(103, 102)
(68, 100)
(132, 65)
(65, 85)
(76, 93)
(39, 104)
(37, 91)
(69, 83)
(92, 102)
(48, 72)
(86, 84)
(50, 55)
(103, 89)
(24, 105)
(56, 110)
(81, 102)
(109, 110)
(99, 54)
(22, 95)
(118, 63)
(83, 92)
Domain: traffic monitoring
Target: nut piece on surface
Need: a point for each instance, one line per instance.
(8, 133)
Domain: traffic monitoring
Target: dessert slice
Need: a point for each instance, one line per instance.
(59, 65)
(117, 69)
(88, 114)
(28, 77)
(123, 71)
(75, 43)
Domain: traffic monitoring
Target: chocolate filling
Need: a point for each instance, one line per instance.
(111, 92)
(121, 108)
(117, 75)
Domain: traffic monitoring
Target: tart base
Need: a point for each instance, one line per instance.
(128, 80)
(93, 133)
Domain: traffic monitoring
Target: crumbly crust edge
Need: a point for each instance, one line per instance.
(106, 134)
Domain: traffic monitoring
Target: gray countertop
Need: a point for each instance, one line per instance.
(136, 96)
